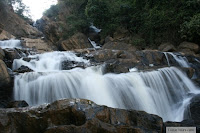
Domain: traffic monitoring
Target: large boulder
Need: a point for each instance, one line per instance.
(77, 41)
(75, 115)
(4, 76)
(166, 47)
(188, 47)
(10, 55)
(5, 85)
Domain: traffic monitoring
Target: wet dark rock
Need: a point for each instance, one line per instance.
(195, 109)
(5, 85)
(184, 123)
(17, 104)
(23, 69)
(10, 55)
(75, 115)
(189, 71)
(150, 58)
(67, 65)
(2, 54)
(27, 59)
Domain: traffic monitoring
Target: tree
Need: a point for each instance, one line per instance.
(20, 8)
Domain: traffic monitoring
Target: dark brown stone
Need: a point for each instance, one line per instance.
(77, 116)
(188, 47)
(77, 41)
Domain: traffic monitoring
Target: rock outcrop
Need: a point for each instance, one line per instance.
(12, 24)
(77, 41)
(50, 29)
(38, 45)
(76, 116)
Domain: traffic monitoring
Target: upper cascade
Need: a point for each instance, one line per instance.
(50, 61)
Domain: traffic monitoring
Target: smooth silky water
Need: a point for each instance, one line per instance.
(165, 92)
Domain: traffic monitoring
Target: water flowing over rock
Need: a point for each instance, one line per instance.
(148, 91)
(47, 62)
(75, 115)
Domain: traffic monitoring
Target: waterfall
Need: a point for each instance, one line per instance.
(51, 61)
(182, 61)
(95, 29)
(10, 44)
(94, 44)
(165, 92)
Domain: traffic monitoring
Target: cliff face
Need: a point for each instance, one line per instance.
(13, 24)
(57, 27)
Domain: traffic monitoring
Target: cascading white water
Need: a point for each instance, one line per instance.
(10, 44)
(182, 61)
(94, 44)
(46, 62)
(95, 28)
(163, 92)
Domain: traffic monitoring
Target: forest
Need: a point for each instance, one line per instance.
(154, 21)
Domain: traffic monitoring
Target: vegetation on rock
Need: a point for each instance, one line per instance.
(154, 21)
(20, 8)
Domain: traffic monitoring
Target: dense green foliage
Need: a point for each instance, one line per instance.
(154, 21)
(73, 22)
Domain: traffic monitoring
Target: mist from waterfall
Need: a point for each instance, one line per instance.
(165, 92)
